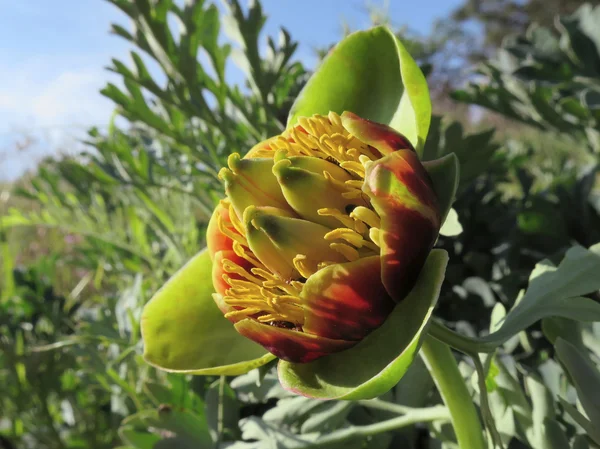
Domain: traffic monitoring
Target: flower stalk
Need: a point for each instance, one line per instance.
(464, 417)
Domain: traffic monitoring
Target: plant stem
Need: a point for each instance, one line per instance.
(378, 404)
(220, 411)
(462, 343)
(436, 413)
(451, 385)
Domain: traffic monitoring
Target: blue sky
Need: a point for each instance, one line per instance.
(53, 55)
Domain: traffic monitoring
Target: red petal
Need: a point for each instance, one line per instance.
(290, 345)
(215, 240)
(346, 301)
(384, 138)
(403, 196)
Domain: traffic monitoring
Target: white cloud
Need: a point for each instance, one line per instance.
(49, 108)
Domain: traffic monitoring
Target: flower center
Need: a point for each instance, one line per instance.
(330, 219)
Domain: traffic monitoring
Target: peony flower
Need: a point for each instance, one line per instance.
(324, 229)
(321, 252)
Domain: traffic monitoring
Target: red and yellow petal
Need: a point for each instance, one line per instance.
(346, 301)
(402, 194)
(290, 345)
(382, 137)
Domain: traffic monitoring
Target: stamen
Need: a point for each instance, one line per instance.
(240, 285)
(360, 227)
(247, 255)
(307, 124)
(232, 267)
(354, 194)
(340, 185)
(375, 235)
(225, 230)
(364, 149)
(364, 160)
(330, 212)
(357, 184)
(307, 140)
(346, 234)
(264, 274)
(246, 312)
(300, 263)
(235, 221)
(352, 237)
(354, 167)
(297, 285)
(336, 121)
(322, 265)
(366, 215)
(346, 250)
(353, 153)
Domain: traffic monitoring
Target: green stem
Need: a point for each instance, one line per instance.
(437, 413)
(451, 385)
(386, 406)
(462, 343)
(220, 411)
(486, 411)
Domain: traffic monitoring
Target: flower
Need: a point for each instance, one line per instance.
(325, 228)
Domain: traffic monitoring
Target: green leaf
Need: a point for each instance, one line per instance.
(445, 175)
(139, 439)
(187, 429)
(371, 74)
(555, 291)
(542, 410)
(225, 420)
(379, 361)
(580, 442)
(510, 395)
(592, 431)
(555, 437)
(570, 330)
(184, 331)
(584, 375)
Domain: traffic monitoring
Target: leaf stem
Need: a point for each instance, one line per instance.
(451, 385)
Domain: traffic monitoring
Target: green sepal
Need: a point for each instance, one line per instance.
(184, 331)
(371, 74)
(445, 175)
(379, 361)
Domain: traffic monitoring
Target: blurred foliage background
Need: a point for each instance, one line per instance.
(86, 240)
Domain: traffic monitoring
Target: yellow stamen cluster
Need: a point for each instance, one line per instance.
(262, 294)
